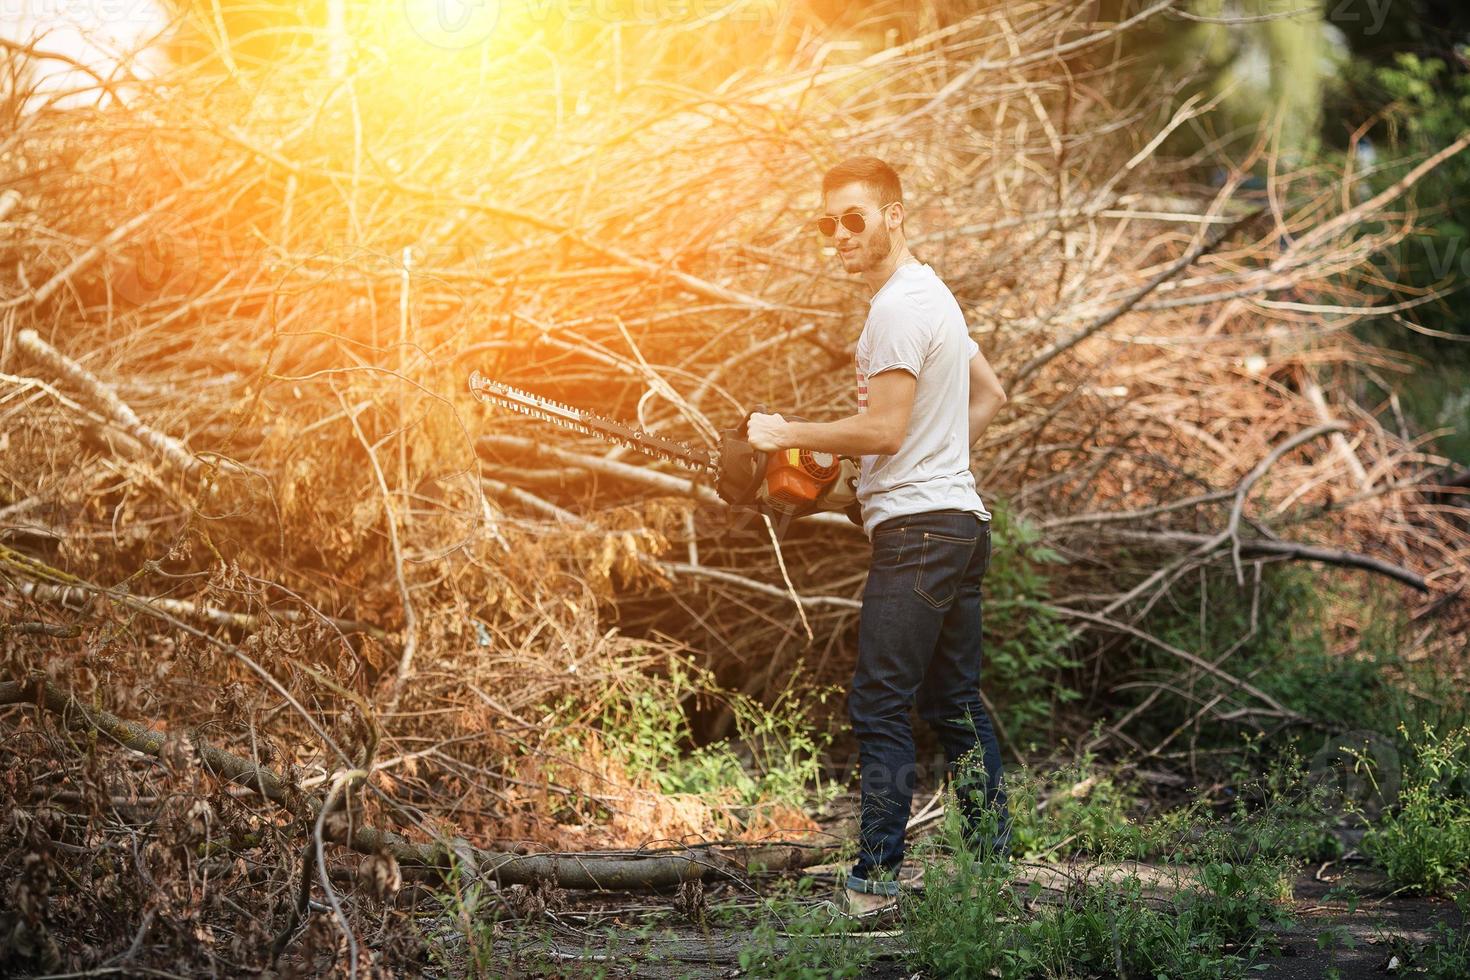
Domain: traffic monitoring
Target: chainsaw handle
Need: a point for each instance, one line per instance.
(742, 466)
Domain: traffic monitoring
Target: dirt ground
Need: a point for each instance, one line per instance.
(1347, 921)
(1368, 936)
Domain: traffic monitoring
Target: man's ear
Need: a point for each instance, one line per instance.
(894, 216)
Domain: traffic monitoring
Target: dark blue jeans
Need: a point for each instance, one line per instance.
(919, 640)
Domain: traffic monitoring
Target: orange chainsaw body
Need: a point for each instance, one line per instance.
(799, 476)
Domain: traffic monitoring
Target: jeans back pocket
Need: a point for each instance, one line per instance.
(941, 566)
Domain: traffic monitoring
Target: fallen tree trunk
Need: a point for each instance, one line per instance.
(604, 871)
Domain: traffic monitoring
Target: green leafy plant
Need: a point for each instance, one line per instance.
(1424, 843)
(1282, 641)
(1426, 107)
(466, 947)
(1026, 643)
(973, 919)
(1262, 633)
(1079, 808)
(785, 749)
(799, 941)
(1281, 806)
(776, 756)
(1447, 956)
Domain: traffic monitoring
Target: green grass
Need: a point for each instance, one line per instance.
(1285, 804)
(1277, 802)
(1228, 864)
(805, 943)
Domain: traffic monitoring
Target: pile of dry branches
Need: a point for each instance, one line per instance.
(249, 499)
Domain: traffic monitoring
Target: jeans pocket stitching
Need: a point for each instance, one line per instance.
(951, 538)
(923, 560)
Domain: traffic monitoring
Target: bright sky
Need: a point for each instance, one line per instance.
(99, 33)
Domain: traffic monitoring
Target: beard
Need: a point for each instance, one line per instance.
(870, 254)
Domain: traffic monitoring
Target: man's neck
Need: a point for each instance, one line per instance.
(881, 273)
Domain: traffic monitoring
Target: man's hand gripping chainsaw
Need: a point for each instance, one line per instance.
(793, 483)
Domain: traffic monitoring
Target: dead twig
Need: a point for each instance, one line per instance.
(106, 399)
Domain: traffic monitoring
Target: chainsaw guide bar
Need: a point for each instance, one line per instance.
(576, 420)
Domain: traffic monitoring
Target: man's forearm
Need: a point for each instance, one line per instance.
(855, 435)
(982, 410)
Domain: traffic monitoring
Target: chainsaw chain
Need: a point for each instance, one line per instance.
(576, 420)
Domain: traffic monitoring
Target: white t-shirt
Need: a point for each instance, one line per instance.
(914, 324)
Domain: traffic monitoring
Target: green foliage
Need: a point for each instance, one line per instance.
(467, 948)
(1372, 688)
(1429, 108)
(1086, 810)
(801, 942)
(964, 924)
(1301, 671)
(1239, 897)
(1447, 957)
(1438, 395)
(1026, 644)
(1280, 811)
(1289, 655)
(1259, 72)
(1424, 844)
(1210, 615)
(1281, 806)
(785, 749)
(777, 756)
(1426, 107)
(972, 921)
(1431, 103)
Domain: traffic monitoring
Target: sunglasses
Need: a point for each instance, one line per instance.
(852, 221)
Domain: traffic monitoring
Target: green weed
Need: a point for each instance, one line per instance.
(1280, 637)
(1445, 957)
(1423, 844)
(803, 942)
(1026, 644)
(467, 947)
(1078, 808)
(973, 919)
(776, 756)
(784, 749)
(1448, 956)
(1282, 806)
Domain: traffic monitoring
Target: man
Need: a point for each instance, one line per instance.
(925, 394)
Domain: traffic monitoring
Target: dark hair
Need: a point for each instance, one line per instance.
(871, 172)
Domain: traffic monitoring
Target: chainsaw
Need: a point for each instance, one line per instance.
(790, 483)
